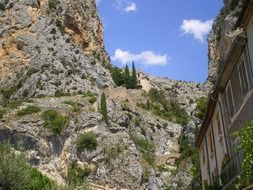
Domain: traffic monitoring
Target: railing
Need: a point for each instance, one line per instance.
(232, 169)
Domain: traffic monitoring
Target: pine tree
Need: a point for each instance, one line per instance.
(103, 109)
(133, 77)
(127, 78)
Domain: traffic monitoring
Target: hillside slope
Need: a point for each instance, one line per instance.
(52, 75)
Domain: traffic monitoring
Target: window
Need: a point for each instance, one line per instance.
(210, 141)
(219, 125)
(243, 77)
(230, 100)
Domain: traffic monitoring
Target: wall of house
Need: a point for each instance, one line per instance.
(219, 138)
(204, 162)
(250, 39)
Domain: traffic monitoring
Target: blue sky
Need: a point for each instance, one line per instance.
(163, 37)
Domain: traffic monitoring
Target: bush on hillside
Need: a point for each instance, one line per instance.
(55, 121)
(86, 141)
(16, 174)
(201, 107)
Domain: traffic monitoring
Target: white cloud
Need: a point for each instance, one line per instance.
(145, 57)
(126, 6)
(131, 7)
(199, 29)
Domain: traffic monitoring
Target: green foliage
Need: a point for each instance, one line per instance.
(8, 92)
(2, 112)
(92, 99)
(52, 4)
(55, 121)
(59, 93)
(130, 81)
(16, 174)
(13, 104)
(86, 141)
(76, 174)
(28, 110)
(89, 94)
(3, 3)
(201, 107)
(117, 76)
(103, 109)
(133, 77)
(73, 104)
(146, 147)
(164, 108)
(137, 121)
(127, 78)
(246, 143)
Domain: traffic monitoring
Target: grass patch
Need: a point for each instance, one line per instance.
(59, 93)
(86, 141)
(55, 121)
(73, 104)
(28, 110)
(2, 112)
(89, 94)
(13, 104)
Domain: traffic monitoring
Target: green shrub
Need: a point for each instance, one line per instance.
(2, 112)
(8, 92)
(137, 121)
(3, 3)
(86, 141)
(201, 107)
(246, 135)
(14, 104)
(146, 147)
(16, 174)
(92, 100)
(28, 110)
(73, 104)
(52, 4)
(55, 121)
(59, 93)
(88, 94)
(76, 174)
(25, 93)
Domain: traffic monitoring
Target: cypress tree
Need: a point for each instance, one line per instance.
(133, 77)
(103, 109)
(127, 78)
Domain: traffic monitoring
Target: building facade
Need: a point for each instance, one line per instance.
(230, 108)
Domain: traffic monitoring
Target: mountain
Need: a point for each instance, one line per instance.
(53, 71)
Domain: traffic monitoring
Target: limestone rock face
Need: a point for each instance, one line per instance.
(46, 48)
(220, 38)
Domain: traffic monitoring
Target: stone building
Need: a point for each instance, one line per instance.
(230, 107)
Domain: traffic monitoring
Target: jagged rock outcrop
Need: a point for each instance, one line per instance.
(46, 48)
(220, 39)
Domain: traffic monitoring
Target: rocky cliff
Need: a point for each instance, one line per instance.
(52, 76)
(222, 36)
